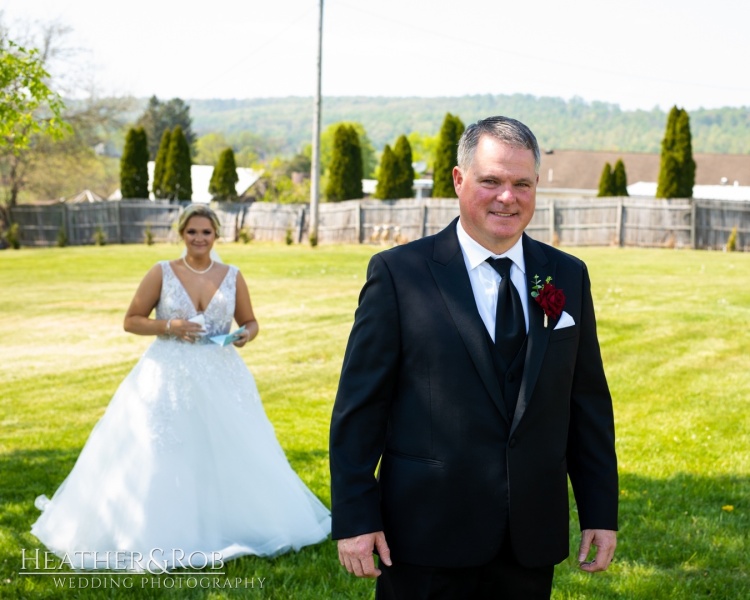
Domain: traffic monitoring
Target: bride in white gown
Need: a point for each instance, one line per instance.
(184, 462)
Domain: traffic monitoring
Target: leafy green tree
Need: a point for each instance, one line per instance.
(423, 149)
(345, 172)
(299, 163)
(606, 182)
(60, 165)
(619, 179)
(223, 184)
(284, 181)
(282, 189)
(387, 187)
(160, 116)
(177, 183)
(27, 105)
(209, 147)
(160, 166)
(248, 148)
(134, 165)
(405, 170)
(677, 172)
(28, 108)
(445, 157)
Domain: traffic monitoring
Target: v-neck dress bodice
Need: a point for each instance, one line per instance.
(175, 302)
(184, 459)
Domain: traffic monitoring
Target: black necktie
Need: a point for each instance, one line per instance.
(510, 325)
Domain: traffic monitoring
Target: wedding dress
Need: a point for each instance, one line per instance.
(184, 459)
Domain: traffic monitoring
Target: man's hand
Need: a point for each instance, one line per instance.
(355, 554)
(605, 541)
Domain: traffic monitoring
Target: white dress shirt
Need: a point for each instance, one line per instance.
(485, 280)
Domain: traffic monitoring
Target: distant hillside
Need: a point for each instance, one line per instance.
(560, 124)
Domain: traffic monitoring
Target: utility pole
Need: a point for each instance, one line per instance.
(315, 168)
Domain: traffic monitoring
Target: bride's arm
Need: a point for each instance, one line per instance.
(243, 312)
(146, 297)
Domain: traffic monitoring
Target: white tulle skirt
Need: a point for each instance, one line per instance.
(183, 463)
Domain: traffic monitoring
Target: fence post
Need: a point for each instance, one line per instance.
(72, 241)
(425, 216)
(551, 221)
(358, 221)
(693, 223)
(620, 208)
(118, 223)
(300, 223)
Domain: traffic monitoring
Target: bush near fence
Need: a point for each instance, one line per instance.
(644, 222)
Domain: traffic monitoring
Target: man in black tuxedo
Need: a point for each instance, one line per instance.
(476, 430)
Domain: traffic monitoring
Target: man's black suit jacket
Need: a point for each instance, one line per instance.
(419, 394)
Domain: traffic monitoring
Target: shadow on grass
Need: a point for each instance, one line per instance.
(306, 457)
(26, 475)
(683, 537)
(313, 572)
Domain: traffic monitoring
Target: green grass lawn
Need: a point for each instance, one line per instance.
(675, 333)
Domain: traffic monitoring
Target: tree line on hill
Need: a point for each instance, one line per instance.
(574, 124)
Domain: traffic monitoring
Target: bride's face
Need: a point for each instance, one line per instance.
(199, 236)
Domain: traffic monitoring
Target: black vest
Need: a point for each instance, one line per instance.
(509, 376)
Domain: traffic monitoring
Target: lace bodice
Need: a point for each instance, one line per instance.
(175, 303)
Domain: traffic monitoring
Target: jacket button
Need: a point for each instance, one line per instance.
(510, 377)
(512, 443)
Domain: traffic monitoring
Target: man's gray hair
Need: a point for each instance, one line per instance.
(503, 129)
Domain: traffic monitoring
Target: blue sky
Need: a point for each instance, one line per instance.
(635, 53)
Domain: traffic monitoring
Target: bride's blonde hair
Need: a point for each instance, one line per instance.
(198, 210)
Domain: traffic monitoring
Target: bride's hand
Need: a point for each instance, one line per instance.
(186, 330)
(243, 339)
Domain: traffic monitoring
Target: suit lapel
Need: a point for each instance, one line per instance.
(449, 271)
(536, 264)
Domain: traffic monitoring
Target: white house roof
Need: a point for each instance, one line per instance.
(704, 192)
(201, 177)
(83, 196)
(369, 185)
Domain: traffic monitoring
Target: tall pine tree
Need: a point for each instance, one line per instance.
(405, 171)
(178, 183)
(605, 182)
(345, 171)
(619, 179)
(445, 157)
(387, 187)
(223, 184)
(677, 172)
(667, 184)
(684, 152)
(134, 165)
(160, 165)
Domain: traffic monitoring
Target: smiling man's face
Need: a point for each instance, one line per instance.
(497, 193)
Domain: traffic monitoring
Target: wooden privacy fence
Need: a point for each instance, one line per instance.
(124, 222)
(646, 222)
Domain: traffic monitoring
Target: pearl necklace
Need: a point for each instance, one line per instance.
(196, 271)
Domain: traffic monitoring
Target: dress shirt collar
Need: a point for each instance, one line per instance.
(475, 254)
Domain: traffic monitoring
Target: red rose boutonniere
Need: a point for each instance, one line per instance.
(550, 298)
